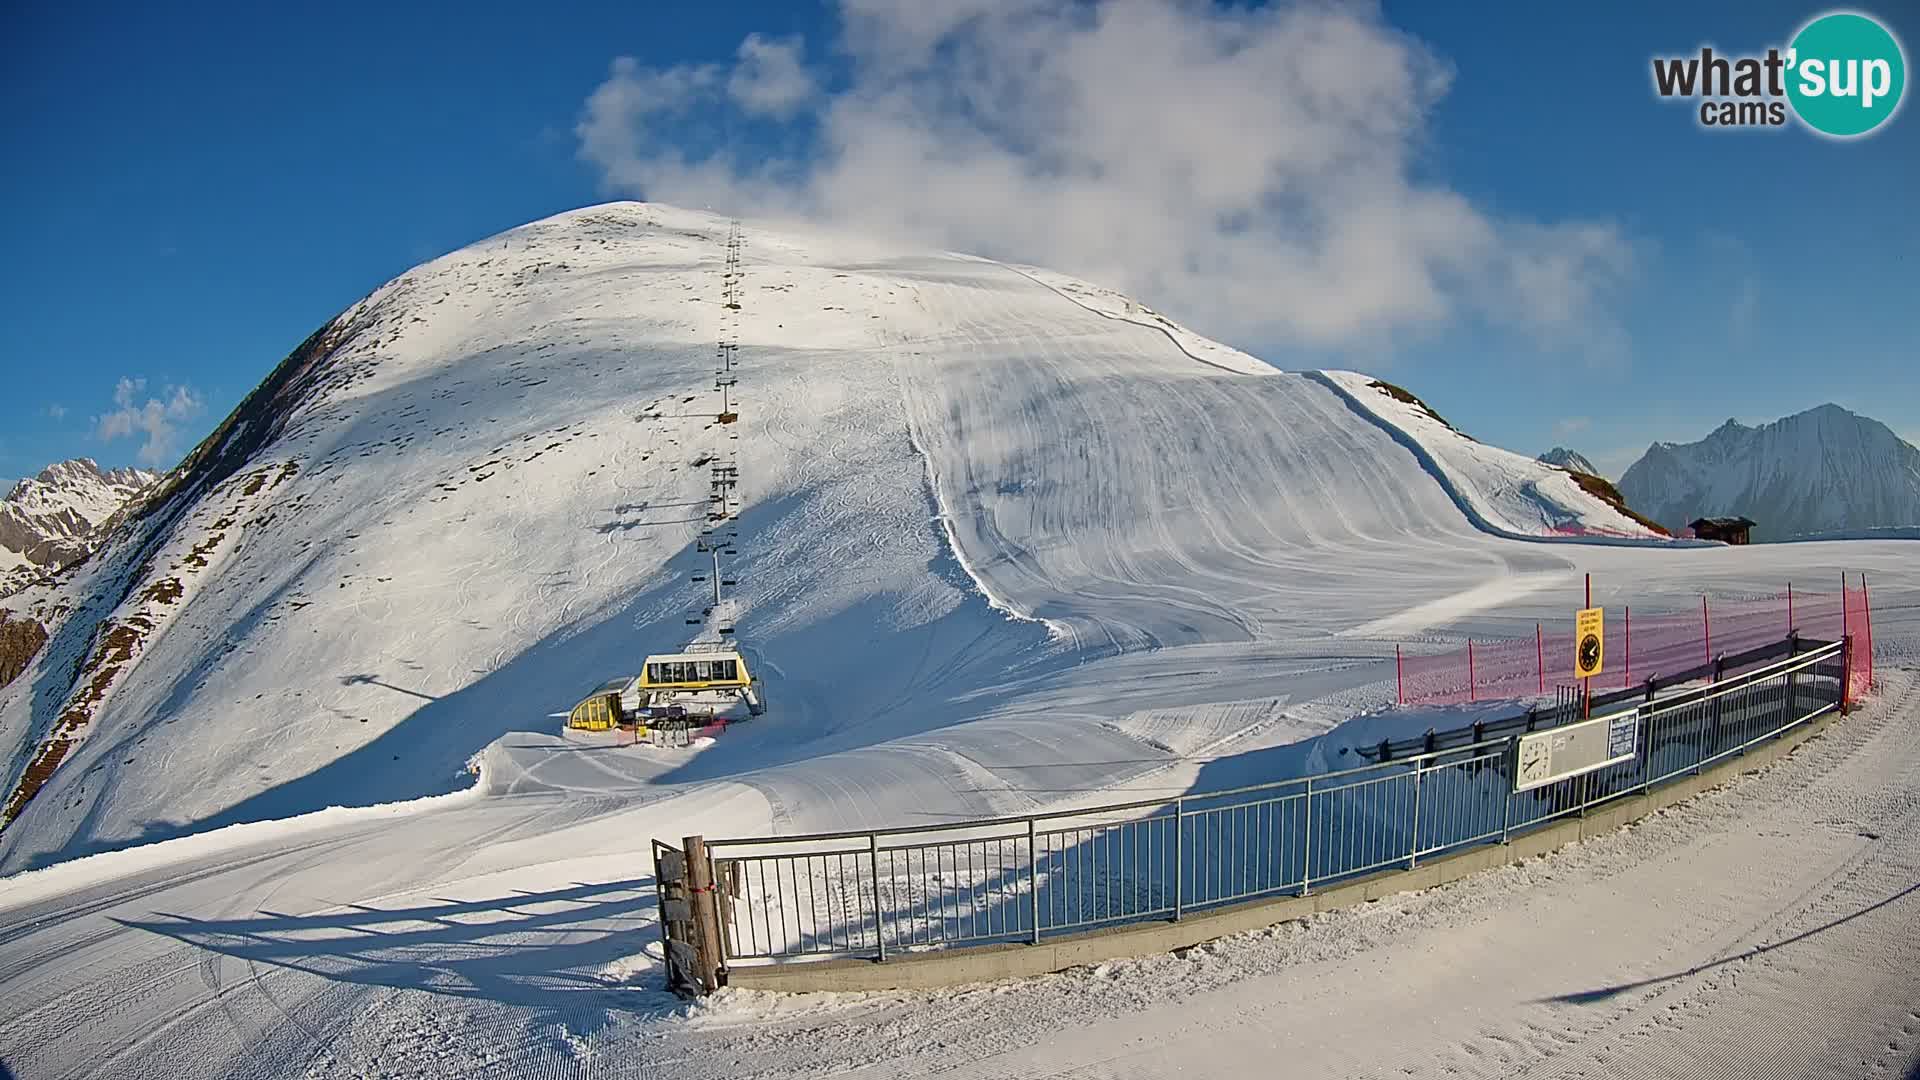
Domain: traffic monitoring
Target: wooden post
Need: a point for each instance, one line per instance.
(706, 917)
(1540, 656)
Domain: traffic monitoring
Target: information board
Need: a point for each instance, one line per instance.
(1544, 757)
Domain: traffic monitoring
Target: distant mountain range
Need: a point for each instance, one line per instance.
(1569, 459)
(55, 518)
(1822, 471)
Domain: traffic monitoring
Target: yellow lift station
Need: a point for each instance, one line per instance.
(668, 680)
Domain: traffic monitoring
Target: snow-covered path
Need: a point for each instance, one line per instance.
(1763, 929)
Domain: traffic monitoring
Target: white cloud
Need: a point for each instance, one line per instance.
(57, 411)
(1744, 308)
(770, 77)
(1250, 171)
(1571, 425)
(156, 421)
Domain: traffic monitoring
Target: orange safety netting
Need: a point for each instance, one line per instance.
(1640, 646)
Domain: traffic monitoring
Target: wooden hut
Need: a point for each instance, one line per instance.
(1727, 530)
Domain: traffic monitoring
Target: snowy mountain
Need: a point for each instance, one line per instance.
(1825, 470)
(984, 512)
(55, 518)
(1569, 459)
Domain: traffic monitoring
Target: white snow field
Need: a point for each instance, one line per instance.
(1008, 541)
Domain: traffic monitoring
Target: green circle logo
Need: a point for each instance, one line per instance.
(1845, 74)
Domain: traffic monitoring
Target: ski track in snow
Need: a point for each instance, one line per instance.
(1009, 542)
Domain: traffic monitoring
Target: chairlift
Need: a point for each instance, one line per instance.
(728, 581)
(699, 577)
(725, 631)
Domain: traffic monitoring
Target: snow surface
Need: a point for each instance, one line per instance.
(1511, 493)
(1008, 542)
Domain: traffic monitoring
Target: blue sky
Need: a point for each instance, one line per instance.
(188, 196)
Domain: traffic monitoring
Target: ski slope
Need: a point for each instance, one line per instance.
(473, 496)
(1008, 541)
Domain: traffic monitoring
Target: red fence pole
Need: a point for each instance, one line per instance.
(1470, 696)
(1866, 612)
(1706, 626)
(1846, 648)
(1789, 607)
(1399, 678)
(1540, 655)
(1629, 681)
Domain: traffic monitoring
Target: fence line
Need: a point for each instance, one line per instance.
(879, 893)
(1636, 647)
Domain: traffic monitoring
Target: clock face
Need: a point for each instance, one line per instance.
(1589, 652)
(1535, 759)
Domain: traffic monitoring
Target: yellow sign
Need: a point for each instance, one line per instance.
(1589, 642)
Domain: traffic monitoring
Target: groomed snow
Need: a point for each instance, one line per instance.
(1008, 542)
(1508, 492)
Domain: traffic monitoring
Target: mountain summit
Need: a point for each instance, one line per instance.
(1569, 459)
(52, 519)
(1820, 471)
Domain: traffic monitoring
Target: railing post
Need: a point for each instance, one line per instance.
(1306, 841)
(1846, 671)
(1645, 721)
(1033, 879)
(1179, 845)
(873, 865)
(1413, 845)
(1506, 796)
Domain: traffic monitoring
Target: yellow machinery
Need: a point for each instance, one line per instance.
(601, 711)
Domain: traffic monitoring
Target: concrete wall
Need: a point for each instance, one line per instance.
(987, 963)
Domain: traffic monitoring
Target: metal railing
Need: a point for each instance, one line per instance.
(883, 892)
